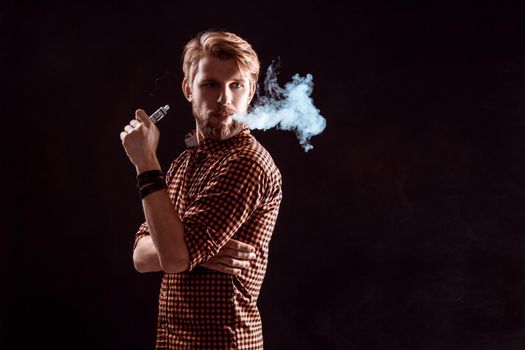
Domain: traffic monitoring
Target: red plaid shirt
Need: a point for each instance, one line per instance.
(221, 190)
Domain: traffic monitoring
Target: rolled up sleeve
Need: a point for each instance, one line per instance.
(228, 199)
(141, 232)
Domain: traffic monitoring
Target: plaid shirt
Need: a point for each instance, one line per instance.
(221, 190)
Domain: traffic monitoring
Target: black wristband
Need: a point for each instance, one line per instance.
(148, 177)
(153, 187)
(149, 174)
(142, 182)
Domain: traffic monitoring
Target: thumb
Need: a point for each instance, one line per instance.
(142, 117)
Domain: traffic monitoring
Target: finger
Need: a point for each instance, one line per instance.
(239, 254)
(135, 123)
(227, 269)
(128, 128)
(123, 135)
(143, 117)
(222, 268)
(235, 263)
(235, 244)
(207, 265)
(231, 271)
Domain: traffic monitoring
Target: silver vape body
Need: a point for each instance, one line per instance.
(159, 114)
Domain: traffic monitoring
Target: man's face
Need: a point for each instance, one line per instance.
(218, 91)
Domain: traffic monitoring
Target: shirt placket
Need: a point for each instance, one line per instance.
(196, 158)
(163, 308)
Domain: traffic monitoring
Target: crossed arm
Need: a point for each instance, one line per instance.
(167, 231)
(165, 248)
(232, 258)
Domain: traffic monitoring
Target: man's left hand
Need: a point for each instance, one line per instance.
(234, 257)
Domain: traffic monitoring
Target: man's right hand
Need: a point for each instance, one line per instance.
(140, 139)
(232, 258)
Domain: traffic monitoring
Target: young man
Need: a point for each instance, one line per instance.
(210, 220)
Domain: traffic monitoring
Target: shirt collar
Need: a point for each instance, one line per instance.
(210, 145)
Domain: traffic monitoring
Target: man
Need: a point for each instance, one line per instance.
(209, 230)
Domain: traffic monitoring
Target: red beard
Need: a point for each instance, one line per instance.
(221, 130)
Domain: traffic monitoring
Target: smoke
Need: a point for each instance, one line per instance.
(288, 108)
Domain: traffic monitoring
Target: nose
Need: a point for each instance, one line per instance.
(224, 96)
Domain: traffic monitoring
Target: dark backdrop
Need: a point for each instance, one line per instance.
(402, 229)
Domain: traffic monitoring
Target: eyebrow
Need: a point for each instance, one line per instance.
(234, 79)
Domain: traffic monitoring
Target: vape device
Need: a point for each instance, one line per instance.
(159, 114)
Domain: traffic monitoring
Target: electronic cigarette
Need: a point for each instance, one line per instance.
(159, 114)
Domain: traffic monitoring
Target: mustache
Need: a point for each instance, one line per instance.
(226, 110)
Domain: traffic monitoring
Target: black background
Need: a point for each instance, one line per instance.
(402, 229)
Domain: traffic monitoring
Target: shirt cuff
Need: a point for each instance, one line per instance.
(142, 231)
(201, 246)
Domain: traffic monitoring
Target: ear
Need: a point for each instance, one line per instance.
(186, 89)
(253, 87)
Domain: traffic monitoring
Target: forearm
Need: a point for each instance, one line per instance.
(166, 231)
(140, 139)
(145, 256)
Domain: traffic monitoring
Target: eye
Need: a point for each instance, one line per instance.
(209, 84)
(237, 85)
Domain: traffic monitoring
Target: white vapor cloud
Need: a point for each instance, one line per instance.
(289, 108)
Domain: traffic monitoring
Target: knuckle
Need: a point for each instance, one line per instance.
(233, 271)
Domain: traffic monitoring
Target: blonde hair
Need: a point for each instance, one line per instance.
(223, 45)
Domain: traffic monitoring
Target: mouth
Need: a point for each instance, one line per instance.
(220, 115)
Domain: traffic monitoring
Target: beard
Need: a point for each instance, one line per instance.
(222, 130)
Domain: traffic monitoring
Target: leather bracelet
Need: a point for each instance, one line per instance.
(148, 177)
(149, 174)
(142, 182)
(153, 187)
